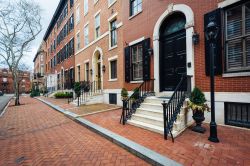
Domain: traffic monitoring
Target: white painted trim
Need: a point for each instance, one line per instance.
(111, 18)
(113, 47)
(97, 49)
(131, 17)
(72, 67)
(230, 97)
(113, 80)
(111, 4)
(241, 74)
(79, 64)
(135, 82)
(226, 3)
(87, 23)
(98, 12)
(136, 41)
(113, 58)
(86, 61)
(187, 11)
(93, 42)
(119, 25)
(95, 1)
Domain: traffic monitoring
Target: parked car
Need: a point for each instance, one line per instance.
(1, 93)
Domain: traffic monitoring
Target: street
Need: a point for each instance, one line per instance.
(3, 101)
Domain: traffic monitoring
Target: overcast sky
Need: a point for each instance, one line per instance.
(48, 9)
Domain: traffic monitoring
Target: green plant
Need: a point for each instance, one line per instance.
(34, 92)
(198, 101)
(136, 93)
(62, 95)
(77, 88)
(124, 93)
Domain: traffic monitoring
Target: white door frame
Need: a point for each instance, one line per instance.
(187, 11)
(94, 63)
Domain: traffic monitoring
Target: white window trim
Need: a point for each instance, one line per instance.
(98, 12)
(79, 16)
(136, 41)
(86, 61)
(136, 82)
(95, 1)
(227, 3)
(87, 24)
(239, 74)
(113, 58)
(111, 4)
(113, 17)
(84, 11)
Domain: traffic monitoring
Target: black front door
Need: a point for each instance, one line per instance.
(172, 60)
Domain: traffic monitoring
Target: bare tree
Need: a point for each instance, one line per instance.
(20, 23)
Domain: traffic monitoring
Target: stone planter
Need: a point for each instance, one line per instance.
(198, 117)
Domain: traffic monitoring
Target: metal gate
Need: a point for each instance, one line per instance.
(237, 114)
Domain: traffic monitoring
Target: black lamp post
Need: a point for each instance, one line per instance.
(211, 33)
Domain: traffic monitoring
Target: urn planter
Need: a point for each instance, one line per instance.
(198, 117)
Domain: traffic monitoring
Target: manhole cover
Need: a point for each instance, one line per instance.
(20, 159)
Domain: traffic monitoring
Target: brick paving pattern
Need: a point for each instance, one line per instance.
(34, 134)
(190, 148)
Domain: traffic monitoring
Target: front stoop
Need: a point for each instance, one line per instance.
(138, 150)
(149, 116)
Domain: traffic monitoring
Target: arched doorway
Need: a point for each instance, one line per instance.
(97, 74)
(172, 59)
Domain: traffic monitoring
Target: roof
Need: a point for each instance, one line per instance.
(54, 18)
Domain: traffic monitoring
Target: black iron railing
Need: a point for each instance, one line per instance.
(87, 89)
(173, 107)
(134, 101)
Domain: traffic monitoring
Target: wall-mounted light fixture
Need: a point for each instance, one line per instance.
(103, 68)
(196, 38)
(150, 51)
(91, 71)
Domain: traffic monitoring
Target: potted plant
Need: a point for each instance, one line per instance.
(124, 94)
(198, 104)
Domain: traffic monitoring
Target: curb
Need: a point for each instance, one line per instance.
(138, 150)
(5, 107)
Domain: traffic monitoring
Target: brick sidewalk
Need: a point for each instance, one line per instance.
(190, 148)
(34, 134)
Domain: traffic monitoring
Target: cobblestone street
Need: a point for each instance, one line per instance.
(34, 134)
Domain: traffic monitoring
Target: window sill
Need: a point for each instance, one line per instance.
(112, 80)
(112, 4)
(111, 48)
(131, 17)
(241, 74)
(136, 82)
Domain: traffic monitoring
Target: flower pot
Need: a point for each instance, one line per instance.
(198, 117)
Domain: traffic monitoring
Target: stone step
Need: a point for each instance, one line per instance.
(146, 126)
(152, 106)
(155, 100)
(150, 112)
(148, 119)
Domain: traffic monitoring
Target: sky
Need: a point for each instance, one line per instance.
(48, 8)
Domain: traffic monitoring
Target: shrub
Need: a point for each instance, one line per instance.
(34, 92)
(77, 88)
(198, 101)
(62, 95)
(124, 93)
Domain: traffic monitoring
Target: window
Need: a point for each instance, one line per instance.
(97, 25)
(136, 58)
(86, 8)
(111, 2)
(78, 40)
(71, 3)
(87, 71)
(135, 7)
(71, 23)
(113, 33)
(77, 14)
(113, 69)
(86, 35)
(238, 38)
(79, 72)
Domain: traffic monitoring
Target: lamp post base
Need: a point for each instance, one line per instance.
(213, 133)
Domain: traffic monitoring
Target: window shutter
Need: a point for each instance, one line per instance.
(215, 16)
(146, 59)
(127, 64)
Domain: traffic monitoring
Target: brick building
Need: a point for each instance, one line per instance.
(171, 27)
(99, 46)
(39, 67)
(59, 44)
(122, 43)
(6, 81)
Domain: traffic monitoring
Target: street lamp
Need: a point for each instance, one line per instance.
(211, 33)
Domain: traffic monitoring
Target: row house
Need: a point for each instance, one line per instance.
(7, 83)
(59, 41)
(39, 67)
(99, 47)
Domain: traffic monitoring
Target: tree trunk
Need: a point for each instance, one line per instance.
(16, 88)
